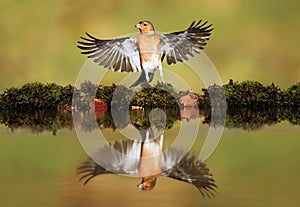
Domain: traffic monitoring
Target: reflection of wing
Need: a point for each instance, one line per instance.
(189, 170)
(119, 158)
(90, 169)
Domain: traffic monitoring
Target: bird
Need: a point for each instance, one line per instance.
(146, 159)
(146, 52)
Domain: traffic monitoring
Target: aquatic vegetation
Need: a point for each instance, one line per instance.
(292, 95)
(162, 95)
(253, 93)
(36, 96)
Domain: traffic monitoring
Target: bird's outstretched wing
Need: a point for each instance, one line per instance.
(189, 170)
(119, 54)
(179, 46)
(121, 157)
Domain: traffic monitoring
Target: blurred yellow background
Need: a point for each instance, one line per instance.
(254, 40)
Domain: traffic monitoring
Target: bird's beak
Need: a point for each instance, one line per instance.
(140, 186)
(138, 26)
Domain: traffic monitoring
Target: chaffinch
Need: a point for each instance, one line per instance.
(146, 52)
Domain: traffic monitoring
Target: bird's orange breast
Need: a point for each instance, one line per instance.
(149, 47)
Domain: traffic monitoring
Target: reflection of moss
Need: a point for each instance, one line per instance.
(37, 121)
(292, 115)
(254, 118)
(215, 117)
(52, 120)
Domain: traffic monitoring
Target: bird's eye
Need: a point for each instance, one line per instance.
(145, 24)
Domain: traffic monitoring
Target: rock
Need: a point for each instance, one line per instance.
(189, 100)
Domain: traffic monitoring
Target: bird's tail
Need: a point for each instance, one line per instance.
(143, 78)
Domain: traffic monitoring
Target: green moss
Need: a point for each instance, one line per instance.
(244, 94)
(36, 95)
(292, 95)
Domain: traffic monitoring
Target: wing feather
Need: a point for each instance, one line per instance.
(118, 54)
(180, 46)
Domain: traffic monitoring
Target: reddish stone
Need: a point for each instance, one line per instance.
(189, 100)
(190, 113)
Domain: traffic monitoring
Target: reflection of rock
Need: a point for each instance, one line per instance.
(136, 108)
(84, 105)
(189, 100)
(98, 107)
(98, 104)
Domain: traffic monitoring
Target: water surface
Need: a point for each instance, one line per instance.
(255, 163)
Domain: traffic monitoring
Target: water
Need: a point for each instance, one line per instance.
(256, 162)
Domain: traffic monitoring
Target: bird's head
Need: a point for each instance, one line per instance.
(145, 26)
(147, 183)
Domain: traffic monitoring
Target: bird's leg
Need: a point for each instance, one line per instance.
(161, 140)
(151, 76)
(147, 75)
(141, 79)
(161, 73)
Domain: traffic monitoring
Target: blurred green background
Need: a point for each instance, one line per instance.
(255, 40)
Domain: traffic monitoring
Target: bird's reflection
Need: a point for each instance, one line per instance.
(145, 158)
